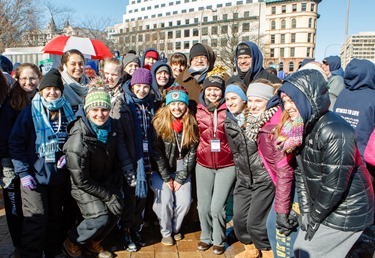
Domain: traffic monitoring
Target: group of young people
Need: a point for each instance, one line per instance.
(81, 156)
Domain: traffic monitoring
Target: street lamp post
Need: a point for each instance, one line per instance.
(201, 21)
(325, 51)
(346, 29)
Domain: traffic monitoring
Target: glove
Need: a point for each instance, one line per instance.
(304, 220)
(114, 205)
(311, 229)
(282, 224)
(129, 175)
(28, 182)
(293, 218)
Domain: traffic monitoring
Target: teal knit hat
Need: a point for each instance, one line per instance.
(97, 97)
(177, 93)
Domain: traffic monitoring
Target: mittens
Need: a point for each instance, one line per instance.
(28, 182)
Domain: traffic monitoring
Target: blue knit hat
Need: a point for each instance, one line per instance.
(177, 93)
(235, 88)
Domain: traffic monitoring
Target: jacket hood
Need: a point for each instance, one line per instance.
(256, 60)
(154, 85)
(308, 89)
(211, 57)
(335, 65)
(360, 73)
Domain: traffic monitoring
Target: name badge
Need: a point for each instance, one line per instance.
(145, 146)
(215, 145)
(50, 158)
(179, 164)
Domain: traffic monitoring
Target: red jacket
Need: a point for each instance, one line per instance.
(205, 157)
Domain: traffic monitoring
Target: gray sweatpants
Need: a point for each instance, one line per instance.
(327, 242)
(213, 187)
(170, 207)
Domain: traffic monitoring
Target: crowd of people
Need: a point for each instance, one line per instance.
(92, 148)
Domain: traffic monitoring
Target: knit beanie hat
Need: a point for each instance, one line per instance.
(130, 58)
(153, 54)
(215, 78)
(162, 68)
(237, 89)
(198, 50)
(97, 97)
(92, 65)
(141, 76)
(260, 90)
(243, 49)
(177, 93)
(52, 79)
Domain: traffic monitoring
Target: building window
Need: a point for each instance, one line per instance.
(195, 20)
(235, 28)
(283, 24)
(160, 15)
(214, 18)
(154, 36)
(224, 42)
(191, 10)
(170, 34)
(291, 66)
(186, 44)
(292, 52)
(162, 35)
(272, 39)
(214, 30)
(186, 1)
(225, 17)
(183, 11)
(239, 2)
(308, 52)
(294, 23)
(273, 10)
(282, 52)
(282, 38)
(187, 21)
(178, 34)
(312, 8)
(283, 9)
(170, 46)
(140, 38)
(147, 26)
(228, 4)
(245, 38)
(224, 29)
(273, 25)
(195, 32)
(153, 16)
(219, 5)
(148, 7)
(235, 15)
(272, 52)
(186, 33)
(249, 1)
(168, 13)
(161, 47)
(308, 37)
(294, 8)
(170, 3)
(156, 6)
(281, 65)
(205, 19)
(245, 27)
(310, 23)
(143, 9)
(162, 25)
(147, 37)
(178, 22)
(178, 45)
(303, 9)
(246, 14)
(213, 42)
(170, 24)
(293, 38)
(204, 31)
(162, 5)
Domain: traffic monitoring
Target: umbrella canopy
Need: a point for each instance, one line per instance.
(91, 48)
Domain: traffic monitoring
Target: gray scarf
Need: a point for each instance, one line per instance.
(75, 92)
(254, 124)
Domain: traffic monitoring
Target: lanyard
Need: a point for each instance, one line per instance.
(215, 122)
(179, 146)
(144, 119)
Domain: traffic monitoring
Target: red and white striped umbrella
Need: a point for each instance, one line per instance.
(90, 48)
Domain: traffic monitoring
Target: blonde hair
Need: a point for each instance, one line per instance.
(284, 117)
(162, 123)
(114, 61)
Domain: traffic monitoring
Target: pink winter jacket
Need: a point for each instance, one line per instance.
(369, 154)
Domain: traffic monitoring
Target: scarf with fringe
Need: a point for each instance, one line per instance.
(291, 135)
(254, 123)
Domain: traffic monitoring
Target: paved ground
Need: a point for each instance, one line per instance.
(186, 248)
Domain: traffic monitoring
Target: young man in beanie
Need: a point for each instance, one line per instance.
(90, 157)
(202, 60)
(35, 145)
(249, 65)
(150, 56)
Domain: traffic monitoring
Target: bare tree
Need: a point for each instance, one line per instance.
(58, 10)
(16, 16)
(95, 28)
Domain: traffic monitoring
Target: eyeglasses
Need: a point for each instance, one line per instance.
(201, 58)
(25, 79)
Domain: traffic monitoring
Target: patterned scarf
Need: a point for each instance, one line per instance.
(291, 135)
(47, 143)
(75, 92)
(254, 123)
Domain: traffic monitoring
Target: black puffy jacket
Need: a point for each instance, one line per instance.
(245, 153)
(92, 165)
(332, 181)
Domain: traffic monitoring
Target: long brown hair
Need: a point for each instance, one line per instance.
(162, 122)
(18, 97)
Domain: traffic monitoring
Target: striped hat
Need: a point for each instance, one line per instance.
(97, 97)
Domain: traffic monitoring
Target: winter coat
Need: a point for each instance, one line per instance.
(245, 152)
(370, 150)
(159, 96)
(93, 168)
(8, 117)
(24, 157)
(332, 181)
(205, 157)
(165, 153)
(356, 103)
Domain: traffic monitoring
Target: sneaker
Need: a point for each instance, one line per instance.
(94, 247)
(216, 249)
(138, 239)
(202, 246)
(167, 241)
(129, 245)
(177, 236)
(72, 250)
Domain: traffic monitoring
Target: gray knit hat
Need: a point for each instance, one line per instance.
(130, 58)
(260, 90)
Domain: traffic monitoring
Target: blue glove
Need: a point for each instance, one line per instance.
(311, 230)
(28, 182)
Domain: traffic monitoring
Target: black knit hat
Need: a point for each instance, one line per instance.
(198, 50)
(52, 79)
(243, 49)
(215, 78)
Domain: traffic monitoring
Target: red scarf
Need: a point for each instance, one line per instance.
(177, 125)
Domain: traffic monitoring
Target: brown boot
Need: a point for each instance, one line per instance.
(72, 250)
(250, 252)
(267, 254)
(95, 247)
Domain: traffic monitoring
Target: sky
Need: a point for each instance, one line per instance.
(330, 26)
